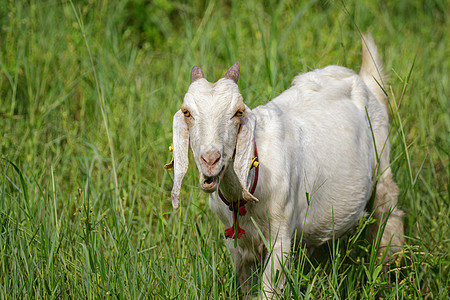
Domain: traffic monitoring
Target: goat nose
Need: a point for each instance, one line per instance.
(211, 158)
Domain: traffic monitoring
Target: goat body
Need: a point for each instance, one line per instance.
(322, 144)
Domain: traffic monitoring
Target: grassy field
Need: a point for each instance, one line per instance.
(87, 94)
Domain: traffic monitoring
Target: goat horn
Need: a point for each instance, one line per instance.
(233, 72)
(196, 74)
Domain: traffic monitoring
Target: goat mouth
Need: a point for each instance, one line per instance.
(209, 183)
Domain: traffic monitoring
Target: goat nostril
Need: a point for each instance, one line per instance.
(211, 159)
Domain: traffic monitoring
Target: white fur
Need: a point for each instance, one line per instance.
(315, 146)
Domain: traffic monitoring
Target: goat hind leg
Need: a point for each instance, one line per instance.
(388, 215)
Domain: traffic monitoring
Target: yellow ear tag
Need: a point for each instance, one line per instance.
(254, 163)
(169, 166)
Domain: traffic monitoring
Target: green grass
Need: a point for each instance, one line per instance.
(87, 95)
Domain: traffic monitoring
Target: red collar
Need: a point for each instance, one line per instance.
(239, 206)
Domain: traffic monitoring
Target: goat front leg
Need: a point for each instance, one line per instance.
(273, 277)
(245, 264)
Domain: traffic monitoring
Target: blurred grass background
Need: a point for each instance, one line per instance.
(87, 94)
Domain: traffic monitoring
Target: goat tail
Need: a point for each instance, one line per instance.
(372, 69)
(389, 219)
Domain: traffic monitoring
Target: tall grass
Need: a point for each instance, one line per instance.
(87, 94)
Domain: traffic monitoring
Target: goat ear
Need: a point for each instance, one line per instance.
(180, 154)
(233, 72)
(245, 149)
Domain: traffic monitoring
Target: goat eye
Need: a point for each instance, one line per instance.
(186, 113)
(238, 114)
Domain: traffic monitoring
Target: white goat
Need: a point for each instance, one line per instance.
(318, 160)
